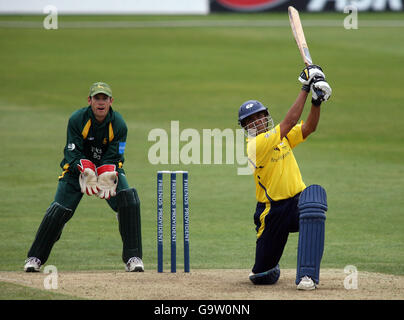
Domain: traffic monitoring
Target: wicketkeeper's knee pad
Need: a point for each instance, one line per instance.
(312, 207)
(268, 277)
(129, 223)
(49, 231)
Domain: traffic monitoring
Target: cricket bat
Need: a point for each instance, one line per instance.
(298, 33)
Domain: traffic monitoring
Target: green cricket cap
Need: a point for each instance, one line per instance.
(100, 87)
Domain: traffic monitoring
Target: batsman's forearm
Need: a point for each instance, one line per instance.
(294, 113)
(312, 120)
(296, 109)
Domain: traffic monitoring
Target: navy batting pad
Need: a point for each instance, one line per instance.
(312, 206)
(313, 196)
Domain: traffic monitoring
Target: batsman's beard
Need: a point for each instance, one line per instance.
(258, 126)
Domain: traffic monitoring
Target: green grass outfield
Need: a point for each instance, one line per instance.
(199, 76)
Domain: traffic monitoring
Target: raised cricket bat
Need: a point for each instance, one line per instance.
(298, 33)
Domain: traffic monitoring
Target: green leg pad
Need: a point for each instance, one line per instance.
(129, 223)
(49, 231)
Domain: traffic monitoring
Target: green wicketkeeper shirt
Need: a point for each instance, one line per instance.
(101, 143)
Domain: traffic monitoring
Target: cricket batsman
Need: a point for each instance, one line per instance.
(93, 166)
(284, 203)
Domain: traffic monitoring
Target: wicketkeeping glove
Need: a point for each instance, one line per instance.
(87, 178)
(320, 90)
(307, 75)
(107, 181)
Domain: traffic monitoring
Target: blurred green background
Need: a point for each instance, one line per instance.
(200, 76)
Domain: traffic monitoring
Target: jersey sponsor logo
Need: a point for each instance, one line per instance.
(71, 146)
(122, 146)
(281, 157)
(249, 5)
(97, 153)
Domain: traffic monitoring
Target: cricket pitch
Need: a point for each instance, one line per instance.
(223, 284)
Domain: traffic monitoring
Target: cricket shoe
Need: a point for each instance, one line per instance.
(306, 283)
(32, 264)
(268, 277)
(134, 264)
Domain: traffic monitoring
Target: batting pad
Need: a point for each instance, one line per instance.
(49, 231)
(129, 223)
(312, 206)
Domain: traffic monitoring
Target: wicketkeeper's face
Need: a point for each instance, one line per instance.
(100, 105)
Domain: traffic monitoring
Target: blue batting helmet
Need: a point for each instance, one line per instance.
(249, 108)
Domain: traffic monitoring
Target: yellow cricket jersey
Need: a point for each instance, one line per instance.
(276, 173)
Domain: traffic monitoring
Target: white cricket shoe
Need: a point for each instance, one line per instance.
(32, 264)
(306, 283)
(134, 264)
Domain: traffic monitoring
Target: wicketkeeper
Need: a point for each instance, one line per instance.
(284, 204)
(92, 165)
